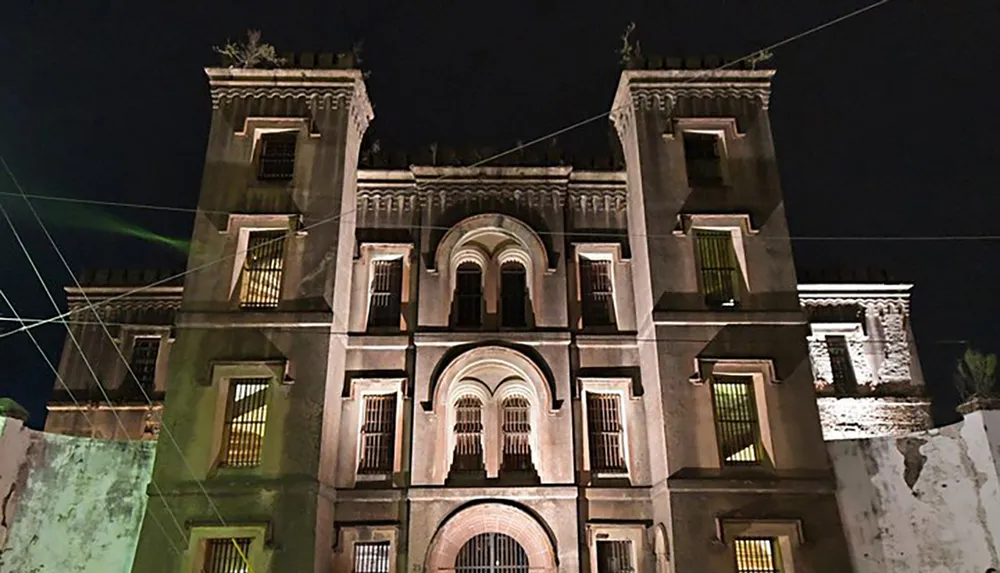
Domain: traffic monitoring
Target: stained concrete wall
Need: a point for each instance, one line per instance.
(70, 505)
(925, 502)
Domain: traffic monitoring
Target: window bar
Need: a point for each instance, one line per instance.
(516, 431)
(371, 557)
(378, 435)
(719, 273)
(468, 434)
(614, 556)
(598, 292)
(221, 555)
(491, 553)
(756, 555)
(277, 156)
(605, 428)
(262, 270)
(386, 293)
(841, 368)
(246, 417)
(145, 350)
(736, 421)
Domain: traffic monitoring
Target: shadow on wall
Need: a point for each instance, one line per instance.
(90, 495)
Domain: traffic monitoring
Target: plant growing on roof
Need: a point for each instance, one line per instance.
(11, 409)
(630, 51)
(976, 375)
(252, 54)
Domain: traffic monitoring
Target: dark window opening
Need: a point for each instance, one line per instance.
(491, 553)
(720, 272)
(604, 425)
(468, 456)
(513, 295)
(386, 293)
(277, 156)
(841, 368)
(597, 292)
(145, 350)
(703, 159)
(378, 435)
(469, 295)
(614, 556)
(516, 431)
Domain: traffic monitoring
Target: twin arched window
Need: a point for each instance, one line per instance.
(515, 435)
(469, 304)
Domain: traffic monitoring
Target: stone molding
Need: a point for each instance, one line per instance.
(610, 198)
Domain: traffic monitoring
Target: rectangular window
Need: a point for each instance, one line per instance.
(604, 426)
(703, 159)
(371, 557)
(378, 435)
(736, 421)
(265, 258)
(227, 555)
(246, 417)
(277, 156)
(469, 295)
(468, 456)
(720, 273)
(597, 291)
(844, 381)
(614, 556)
(757, 555)
(386, 293)
(142, 362)
(516, 432)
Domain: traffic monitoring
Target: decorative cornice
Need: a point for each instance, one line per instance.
(590, 197)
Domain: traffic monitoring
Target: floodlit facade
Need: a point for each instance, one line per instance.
(495, 369)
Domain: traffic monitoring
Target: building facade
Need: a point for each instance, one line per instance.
(504, 369)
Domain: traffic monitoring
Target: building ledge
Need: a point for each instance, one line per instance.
(726, 318)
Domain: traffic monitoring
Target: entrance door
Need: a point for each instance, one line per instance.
(491, 553)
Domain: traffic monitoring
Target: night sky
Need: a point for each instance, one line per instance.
(884, 125)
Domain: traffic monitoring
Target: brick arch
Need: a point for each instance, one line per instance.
(491, 517)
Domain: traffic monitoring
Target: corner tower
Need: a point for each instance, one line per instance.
(739, 469)
(247, 451)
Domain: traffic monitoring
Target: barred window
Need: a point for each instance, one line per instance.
(468, 434)
(604, 426)
(371, 557)
(246, 417)
(386, 293)
(736, 421)
(265, 257)
(757, 555)
(516, 430)
(720, 273)
(491, 552)
(277, 156)
(614, 556)
(513, 295)
(378, 434)
(227, 555)
(844, 381)
(142, 362)
(469, 295)
(597, 292)
(703, 159)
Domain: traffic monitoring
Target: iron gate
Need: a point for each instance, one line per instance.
(491, 553)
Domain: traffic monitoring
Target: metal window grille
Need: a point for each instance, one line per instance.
(142, 362)
(598, 292)
(513, 295)
(719, 271)
(736, 421)
(262, 270)
(468, 434)
(378, 433)
(222, 556)
(277, 156)
(491, 553)
(246, 417)
(757, 555)
(469, 295)
(614, 556)
(703, 159)
(844, 381)
(386, 293)
(604, 425)
(516, 430)
(371, 557)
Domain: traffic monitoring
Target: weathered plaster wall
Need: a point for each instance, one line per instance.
(926, 502)
(70, 505)
(854, 418)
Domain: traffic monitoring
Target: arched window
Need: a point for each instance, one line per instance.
(513, 294)
(468, 435)
(469, 295)
(516, 431)
(491, 553)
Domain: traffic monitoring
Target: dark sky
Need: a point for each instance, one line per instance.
(884, 124)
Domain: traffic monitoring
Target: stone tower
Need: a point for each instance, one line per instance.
(242, 460)
(722, 336)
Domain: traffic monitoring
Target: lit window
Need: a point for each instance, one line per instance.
(516, 430)
(720, 272)
(371, 557)
(757, 555)
(142, 362)
(604, 426)
(378, 435)
(469, 295)
(703, 159)
(246, 417)
(597, 292)
(227, 555)
(262, 270)
(386, 293)
(736, 421)
(513, 295)
(614, 556)
(840, 365)
(468, 435)
(277, 156)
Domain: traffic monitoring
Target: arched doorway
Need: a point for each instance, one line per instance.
(491, 553)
